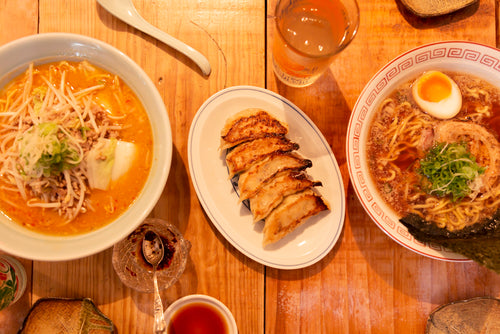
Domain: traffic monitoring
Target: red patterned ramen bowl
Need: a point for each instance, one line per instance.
(453, 56)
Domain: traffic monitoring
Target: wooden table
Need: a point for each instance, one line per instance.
(367, 283)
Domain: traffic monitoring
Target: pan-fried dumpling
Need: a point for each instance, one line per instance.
(272, 193)
(253, 179)
(291, 213)
(246, 154)
(269, 173)
(250, 124)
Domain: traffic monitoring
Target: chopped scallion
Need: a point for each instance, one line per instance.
(448, 170)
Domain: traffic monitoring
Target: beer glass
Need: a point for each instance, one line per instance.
(309, 33)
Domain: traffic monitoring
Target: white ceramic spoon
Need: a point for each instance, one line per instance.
(125, 11)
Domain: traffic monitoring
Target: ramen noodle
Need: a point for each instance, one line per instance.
(401, 136)
(70, 135)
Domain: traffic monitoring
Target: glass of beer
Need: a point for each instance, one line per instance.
(309, 33)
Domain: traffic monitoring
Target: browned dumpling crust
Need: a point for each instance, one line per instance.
(270, 173)
(273, 192)
(244, 155)
(250, 124)
(256, 176)
(291, 213)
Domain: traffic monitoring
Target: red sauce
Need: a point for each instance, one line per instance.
(406, 159)
(494, 122)
(198, 318)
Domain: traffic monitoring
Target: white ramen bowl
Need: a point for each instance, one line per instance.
(51, 47)
(456, 56)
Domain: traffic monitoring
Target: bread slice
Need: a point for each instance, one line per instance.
(66, 316)
(472, 316)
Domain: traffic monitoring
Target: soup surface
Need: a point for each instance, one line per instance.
(405, 143)
(75, 148)
(198, 318)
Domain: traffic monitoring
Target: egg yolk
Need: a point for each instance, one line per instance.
(434, 87)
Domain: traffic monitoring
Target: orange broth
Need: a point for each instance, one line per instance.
(106, 205)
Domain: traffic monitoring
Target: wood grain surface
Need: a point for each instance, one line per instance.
(367, 283)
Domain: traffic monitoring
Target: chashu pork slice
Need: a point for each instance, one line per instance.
(291, 213)
(250, 124)
(258, 174)
(246, 154)
(275, 190)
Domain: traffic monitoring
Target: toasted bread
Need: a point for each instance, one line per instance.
(473, 316)
(66, 316)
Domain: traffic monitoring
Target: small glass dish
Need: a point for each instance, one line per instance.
(131, 266)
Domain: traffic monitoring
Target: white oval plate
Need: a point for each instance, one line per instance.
(465, 57)
(311, 241)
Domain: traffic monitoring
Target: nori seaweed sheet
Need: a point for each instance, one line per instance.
(479, 242)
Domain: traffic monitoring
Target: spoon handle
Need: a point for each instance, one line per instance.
(159, 324)
(125, 11)
(183, 48)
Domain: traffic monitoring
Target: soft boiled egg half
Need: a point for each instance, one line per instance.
(437, 94)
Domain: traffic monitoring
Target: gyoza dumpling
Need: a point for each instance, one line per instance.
(250, 124)
(246, 154)
(254, 178)
(271, 194)
(291, 213)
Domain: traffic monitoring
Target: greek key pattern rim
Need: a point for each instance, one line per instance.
(389, 73)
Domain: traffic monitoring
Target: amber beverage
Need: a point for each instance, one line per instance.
(309, 33)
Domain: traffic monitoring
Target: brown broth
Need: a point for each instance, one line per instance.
(200, 318)
(107, 205)
(403, 191)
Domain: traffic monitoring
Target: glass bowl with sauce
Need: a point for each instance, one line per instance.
(199, 314)
(133, 269)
